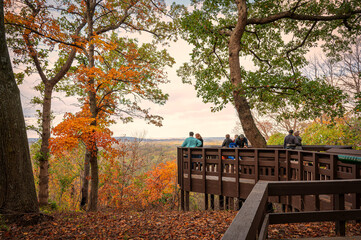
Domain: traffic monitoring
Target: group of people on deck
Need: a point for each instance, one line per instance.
(290, 142)
(197, 141)
(238, 141)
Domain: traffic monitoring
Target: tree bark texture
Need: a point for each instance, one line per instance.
(85, 181)
(93, 200)
(240, 102)
(45, 136)
(17, 187)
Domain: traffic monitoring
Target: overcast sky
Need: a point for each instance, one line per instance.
(182, 113)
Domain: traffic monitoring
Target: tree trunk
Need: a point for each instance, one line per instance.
(44, 150)
(240, 102)
(85, 180)
(93, 200)
(17, 188)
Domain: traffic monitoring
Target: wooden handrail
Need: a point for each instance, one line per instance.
(252, 220)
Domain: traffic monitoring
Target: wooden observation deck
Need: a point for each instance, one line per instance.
(231, 173)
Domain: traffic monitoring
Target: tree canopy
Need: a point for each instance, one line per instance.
(251, 53)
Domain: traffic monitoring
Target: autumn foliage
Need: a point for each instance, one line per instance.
(128, 180)
(126, 188)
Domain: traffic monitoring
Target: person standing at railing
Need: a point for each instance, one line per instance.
(199, 137)
(235, 138)
(298, 140)
(227, 141)
(191, 141)
(290, 141)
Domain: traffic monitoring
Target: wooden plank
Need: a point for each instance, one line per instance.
(266, 163)
(314, 216)
(312, 187)
(349, 152)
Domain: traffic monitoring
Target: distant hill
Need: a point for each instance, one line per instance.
(206, 139)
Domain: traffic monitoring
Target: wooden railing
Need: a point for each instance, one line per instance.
(232, 172)
(252, 221)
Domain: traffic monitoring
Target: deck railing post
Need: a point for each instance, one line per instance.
(205, 201)
(300, 178)
(204, 176)
(189, 159)
(182, 200)
(288, 177)
(340, 205)
(356, 196)
(333, 176)
(256, 164)
(316, 176)
(220, 171)
(236, 157)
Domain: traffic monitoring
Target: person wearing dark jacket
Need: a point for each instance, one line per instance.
(242, 141)
(290, 141)
(227, 141)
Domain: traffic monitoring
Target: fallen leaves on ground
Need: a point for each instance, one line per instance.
(127, 225)
(157, 225)
(310, 230)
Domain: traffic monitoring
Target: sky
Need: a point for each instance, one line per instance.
(182, 113)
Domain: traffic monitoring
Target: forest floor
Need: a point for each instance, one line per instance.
(114, 224)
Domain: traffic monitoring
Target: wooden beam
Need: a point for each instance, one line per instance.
(313, 187)
(314, 216)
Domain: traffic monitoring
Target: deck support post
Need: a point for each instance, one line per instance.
(187, 201)
(227, 203)
(205, 201)
(231, 203)
(212, 201)
(240, 203)
(182, 199)
(221, 202)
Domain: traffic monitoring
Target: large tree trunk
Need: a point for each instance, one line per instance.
(240, 102)
(44, 160)
(85, 181)
(17, 188)
(93, 200)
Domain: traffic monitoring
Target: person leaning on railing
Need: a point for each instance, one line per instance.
(290, 141)
(242, 141)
